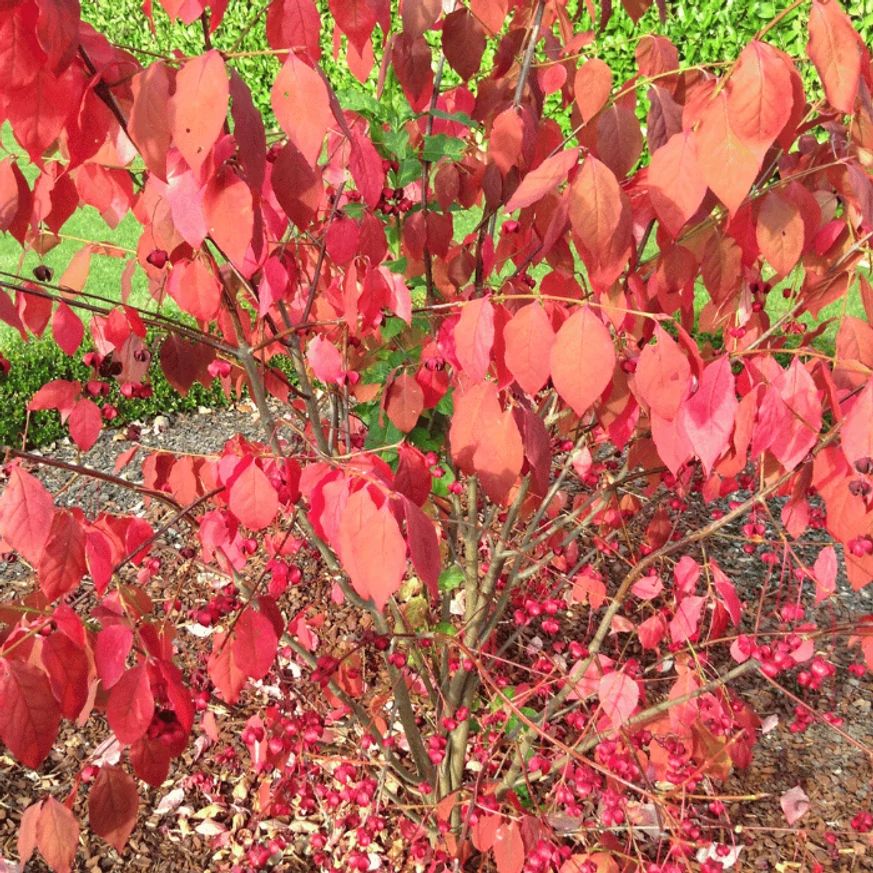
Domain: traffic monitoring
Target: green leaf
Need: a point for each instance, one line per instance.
(450, 579)
(397, 266)
(361, 102)
(392, 327)
(422, 439)
(410, 171)
(446, 406)
(446, 629)
(460, 117)
(394, 141)
(442, 146)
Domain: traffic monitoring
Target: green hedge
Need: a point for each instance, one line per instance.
(705, 32)
(39, 361)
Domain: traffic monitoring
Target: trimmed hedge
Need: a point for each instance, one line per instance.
(41, 360)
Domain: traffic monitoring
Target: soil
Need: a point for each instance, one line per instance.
(178, 822)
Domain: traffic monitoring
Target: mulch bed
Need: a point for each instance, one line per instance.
(178, 823)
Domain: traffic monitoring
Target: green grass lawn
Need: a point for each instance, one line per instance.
(85, 225)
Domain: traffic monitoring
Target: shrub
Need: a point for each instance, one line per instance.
(509, 433)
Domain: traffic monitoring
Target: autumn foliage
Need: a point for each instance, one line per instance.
(495, 359)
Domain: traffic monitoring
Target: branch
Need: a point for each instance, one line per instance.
(528, 55)
(78, 469)
(581, 667)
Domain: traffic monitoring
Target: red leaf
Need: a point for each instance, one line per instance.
(619, 695)
(419, 16)
(857, 433)
(252, 497)
(799, 394)
(254, 644)
(67, 329)
(728, 593)
(26, 512)
(582, 360)
(372, 550)
(760, 96)
(545, 178)
(412, 479)
(664, 118)
(474, 338)
(58, 394)
(110, 654)
(504, 145)
(687, 618)
(196, 289)
(183, 363)
(492, 13)
(412, 66)
(728, 164)
(295, 24)
(223, 670)
(356, 19)
(475, 408)
(652, 631)
(707, 416)
(508, 848)
(297, 186)
(499, 455)
(825, 574)
(619, 139)
(662, 375)
(62, 565)
(149, 122)
(463, 42)
(151, 761)
(600, 215)
(404, 402)
(424, 548)
(229, 214)
(57, 835)
(836, 50)
(676, 183)
(27, 832)
(198, 108)
(113, 804)
(591, 87)
(780, 233)
(29, 714)
(484, 831)
(248, 131)
(365, 165)
(300, 100)
(86, 422)
(326, 361)
(529, 339)
(36, 312)
(131, 705)
(39, 111)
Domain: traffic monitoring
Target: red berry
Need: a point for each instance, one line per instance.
(158, 259)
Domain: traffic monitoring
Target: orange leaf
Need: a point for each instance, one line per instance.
(836, 50)
(529, 339)
(57, 835)
(300, 101)
(591, 87)
(474, 337)
(582, 360)
(198, 108)
(371, 547)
